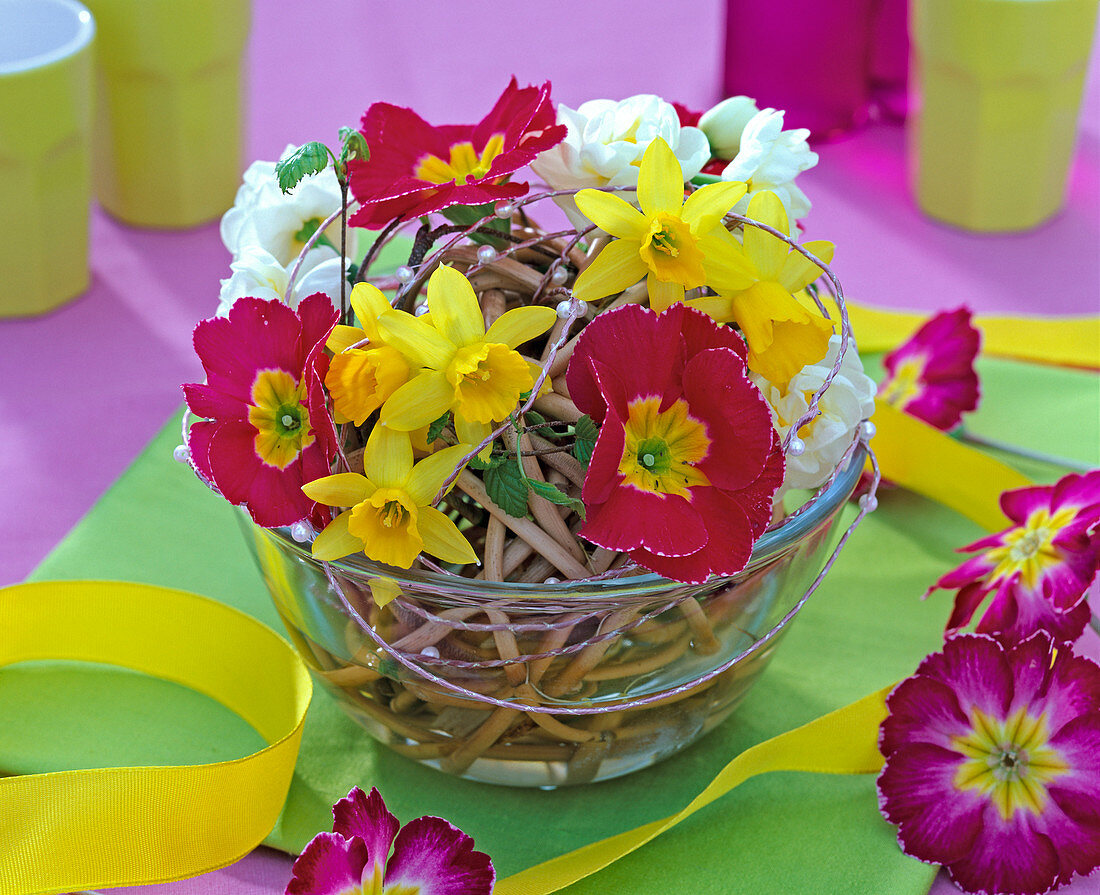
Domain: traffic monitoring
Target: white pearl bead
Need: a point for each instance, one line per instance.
(559, 276)
(302, 532)
(797, 447)
(868, 503)
(504, 210)
(430, 652)
(181, 454)
(565, 308)
(868, 430)
(420, 310)
(487, 254)
(552, 580)
(404, 273)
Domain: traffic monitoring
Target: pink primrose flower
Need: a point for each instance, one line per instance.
(429, 856)
(993, 764)
(1038, 570)
(415, 168)
(931, 376)
(687, 460)
(265, 430)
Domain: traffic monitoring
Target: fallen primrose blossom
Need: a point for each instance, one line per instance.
(368, 852)
(1039, 569)
(993, 764)
(931, 375)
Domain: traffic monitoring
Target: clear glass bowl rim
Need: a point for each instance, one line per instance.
(768, 547)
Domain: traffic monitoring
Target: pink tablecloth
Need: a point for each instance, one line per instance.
(84, 388)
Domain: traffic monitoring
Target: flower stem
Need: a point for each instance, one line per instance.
(1039, 456)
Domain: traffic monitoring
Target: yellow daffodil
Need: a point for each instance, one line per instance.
(478, 374)
(673, 243)
(756, 291)
(361, 379)
(391, 517)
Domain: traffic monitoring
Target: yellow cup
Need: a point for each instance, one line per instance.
(1000, 85)
(45, 148)
(169, 125)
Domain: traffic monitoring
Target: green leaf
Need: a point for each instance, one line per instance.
(306, 234)
(467, 215)
(554, 494)
(508, 488)
(585, 435)
(355, 145)
(312, 158)
(436, 428)
(494, 461)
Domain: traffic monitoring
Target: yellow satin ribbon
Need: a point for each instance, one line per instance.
(923, 459)
(109, 827)
(1067, 341)
(841, 742)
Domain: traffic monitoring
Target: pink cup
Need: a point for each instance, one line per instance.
(809, 58)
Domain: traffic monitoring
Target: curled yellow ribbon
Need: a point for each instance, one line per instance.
(109, 827)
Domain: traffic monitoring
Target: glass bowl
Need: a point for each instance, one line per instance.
(545, 684)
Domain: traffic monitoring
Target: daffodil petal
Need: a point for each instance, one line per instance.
(428, 476)
(768, 253)
(727, 268)
(660, 180)
(345, 489)
(442, 538)
(612, 213)
(472, 433)
(705, 208)
(343, 337)
(424, 398)
(388, 458)
(369, 304)
(420, 342)
(619, 265)
(520, 325)
(454, 308)
(336, 541)
(798, 271)
(663, 295)
(716, 307)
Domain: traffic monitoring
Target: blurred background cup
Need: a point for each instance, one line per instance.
(45, 147)
(808, 57)
(169, 126)
(999, 87)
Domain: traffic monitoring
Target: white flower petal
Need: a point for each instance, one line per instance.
(725, 122)
(849, 400)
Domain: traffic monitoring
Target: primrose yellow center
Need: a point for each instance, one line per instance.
(661, 448)
(279, 415)
(488, 379)
(464, 165)
(1029, 549)
(386, 523)
(904, 386)
(669, 250)
(1009, 761)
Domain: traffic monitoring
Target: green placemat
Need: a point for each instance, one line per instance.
(780, 833)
